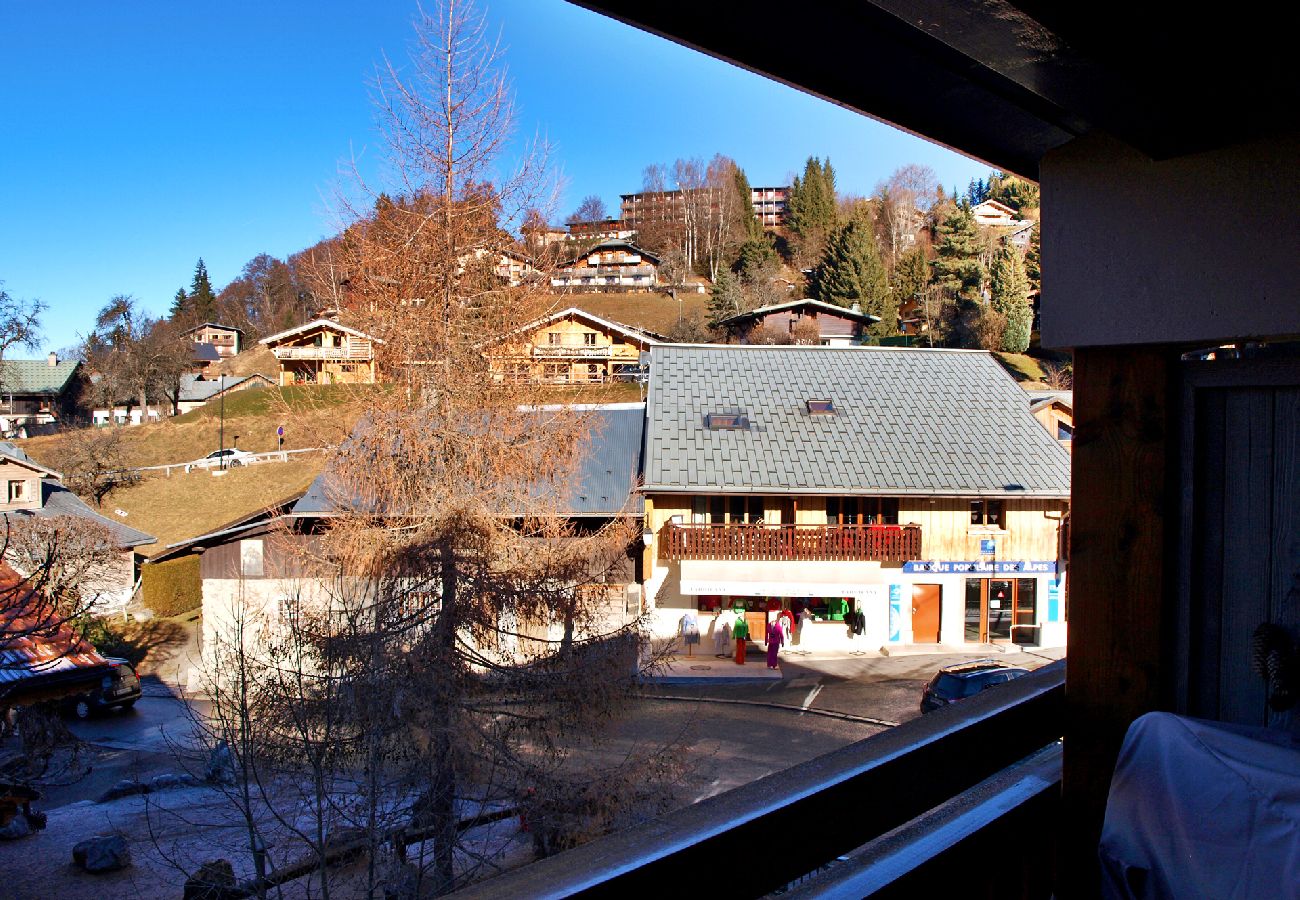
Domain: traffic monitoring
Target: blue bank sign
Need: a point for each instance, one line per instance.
(981, 567)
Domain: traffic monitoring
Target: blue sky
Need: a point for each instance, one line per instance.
(140, 136)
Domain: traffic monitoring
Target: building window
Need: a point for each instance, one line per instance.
(727, 510)
(862, 511)
(726, 422)
(820, 407)
(251, 559)
(1064, 432)
(990, 513)
(17, 491)
(554, 338)
(589, 338)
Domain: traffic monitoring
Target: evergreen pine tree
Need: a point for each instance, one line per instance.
(202, 299)
(851, 271)
(180, 311)
(810, 207)
(911, 275)
(1033, 264)
(957, 267)
(1009, 288)
(750, 226)
(726, 298)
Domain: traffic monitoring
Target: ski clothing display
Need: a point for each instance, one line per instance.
(741, 633)
(775, 640)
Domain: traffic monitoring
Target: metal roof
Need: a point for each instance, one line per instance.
(36, 376)
(844, 312)
(906, 422)
(56, 500)
(195, 389)
(603, 485)
(317, 323)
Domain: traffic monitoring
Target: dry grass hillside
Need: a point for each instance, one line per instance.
(184, 505)
(652, 311)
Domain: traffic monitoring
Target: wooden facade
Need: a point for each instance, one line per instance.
(610, 265)
(570, 347)
(225, 339)
(324, 352)
(796, 320)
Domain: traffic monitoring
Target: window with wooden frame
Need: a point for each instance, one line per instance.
(862, 511)
(988, 513)
(17, 490)
(727, 510)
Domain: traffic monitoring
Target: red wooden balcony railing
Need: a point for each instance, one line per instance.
(886, 543)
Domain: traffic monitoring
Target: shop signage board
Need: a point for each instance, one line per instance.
(895, 612)
(1054, 599)
(988, 546)
(980, 567)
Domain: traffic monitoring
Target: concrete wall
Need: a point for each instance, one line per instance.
(1198, 248)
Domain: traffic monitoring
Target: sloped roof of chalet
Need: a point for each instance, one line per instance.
(196, 390)
(906, 422)
(317, 323)
(212, 325)
(203, 352)
(603, 485)
(56, 500)
(635, 334)
(36, 376)
(829, 308)
(18, 455)
(614, 244)
(1040, 399)
(999, 205)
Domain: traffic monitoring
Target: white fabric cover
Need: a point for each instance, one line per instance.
(1203, 809)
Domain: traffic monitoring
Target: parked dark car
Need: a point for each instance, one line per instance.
(953, 683)
(120, 688)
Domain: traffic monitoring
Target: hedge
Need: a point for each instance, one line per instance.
(173, 587)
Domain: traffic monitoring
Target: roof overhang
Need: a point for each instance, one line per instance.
(1008, 81)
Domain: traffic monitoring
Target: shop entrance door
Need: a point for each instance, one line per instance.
(925, 613)
(994, 606)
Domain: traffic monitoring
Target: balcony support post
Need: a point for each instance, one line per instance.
(1123, 578)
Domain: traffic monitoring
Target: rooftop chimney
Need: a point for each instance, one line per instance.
(53, 359)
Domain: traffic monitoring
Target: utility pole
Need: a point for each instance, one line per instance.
(221, 430)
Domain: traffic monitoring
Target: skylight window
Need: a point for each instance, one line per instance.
(726, 422)
(821, 407)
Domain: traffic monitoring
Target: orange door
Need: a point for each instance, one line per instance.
(925, 613)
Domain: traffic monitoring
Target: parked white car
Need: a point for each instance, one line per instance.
(230, 458)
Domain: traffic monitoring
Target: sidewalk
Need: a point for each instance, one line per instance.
(706, 668)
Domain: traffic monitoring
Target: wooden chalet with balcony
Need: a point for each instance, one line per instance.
(324, 352)
(836, 326)
(571, 346)
(225, 339)
(910, 486)
(611, 266)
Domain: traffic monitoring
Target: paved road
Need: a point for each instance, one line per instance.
(758, 730)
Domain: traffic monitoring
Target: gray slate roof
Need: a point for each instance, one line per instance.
(908, 422)
(610, 467)
(36, 376)
(194, 389)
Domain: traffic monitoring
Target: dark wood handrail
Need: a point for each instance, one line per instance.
(888, 543)
(834, 804)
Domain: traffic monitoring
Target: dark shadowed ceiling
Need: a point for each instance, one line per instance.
(1007, 82)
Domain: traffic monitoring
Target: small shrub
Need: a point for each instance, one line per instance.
(173, 587)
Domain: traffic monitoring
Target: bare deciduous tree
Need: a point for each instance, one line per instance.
(451, 641)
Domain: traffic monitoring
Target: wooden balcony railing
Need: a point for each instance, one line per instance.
(886, 543)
